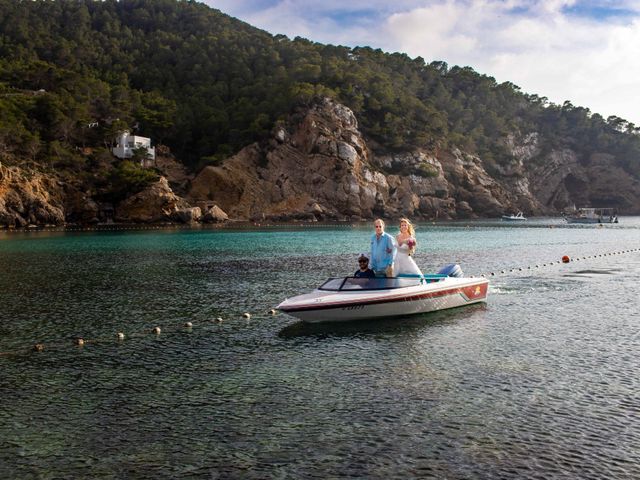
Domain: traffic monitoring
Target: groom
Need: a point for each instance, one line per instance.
(383, 251)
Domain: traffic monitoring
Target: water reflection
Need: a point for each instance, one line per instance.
(541, 382)
(611, 271)
(388, 326)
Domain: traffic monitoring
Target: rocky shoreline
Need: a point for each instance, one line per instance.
(318, 166)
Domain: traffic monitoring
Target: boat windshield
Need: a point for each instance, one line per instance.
(377, 283)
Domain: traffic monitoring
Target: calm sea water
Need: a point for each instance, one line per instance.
(541, 382)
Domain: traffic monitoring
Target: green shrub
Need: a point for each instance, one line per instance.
(129, 178)
(425, 169)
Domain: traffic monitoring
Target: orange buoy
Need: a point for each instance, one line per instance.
(566, 259)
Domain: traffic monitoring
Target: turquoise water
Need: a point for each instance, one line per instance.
(541, 382)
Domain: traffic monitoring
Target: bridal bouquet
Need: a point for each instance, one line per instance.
(411, 243)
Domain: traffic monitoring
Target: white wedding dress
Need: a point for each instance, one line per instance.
(404, 264)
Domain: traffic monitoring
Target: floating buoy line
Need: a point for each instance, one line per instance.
(240, 225)
(175, 226)
(564, 259)
(157, 331)
(80, 342)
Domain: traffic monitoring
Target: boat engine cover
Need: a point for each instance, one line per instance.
(451, 270)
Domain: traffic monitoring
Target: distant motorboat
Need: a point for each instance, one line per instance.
(355, 298)
(514, 218)
(593, 215)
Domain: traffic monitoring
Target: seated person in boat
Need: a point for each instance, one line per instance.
(364, 271)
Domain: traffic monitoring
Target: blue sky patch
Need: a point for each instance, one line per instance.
(600, 12)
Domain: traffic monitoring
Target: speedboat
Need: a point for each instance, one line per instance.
(357, 298)
(514, 218)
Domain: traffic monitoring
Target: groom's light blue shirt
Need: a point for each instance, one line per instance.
(380, 257)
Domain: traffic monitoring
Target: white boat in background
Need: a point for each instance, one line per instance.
(593, 215)
(514, 218)
(353, 298)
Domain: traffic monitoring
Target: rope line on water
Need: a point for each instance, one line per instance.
(565, 259)
(221, 226)
(80, 342)
(118, 337)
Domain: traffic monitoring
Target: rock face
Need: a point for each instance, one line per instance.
(320, 167)
(177, 175)
(79, 207)
(187, 215)
(561, 179)
(28, 197)
(157, 203)
(215, 215)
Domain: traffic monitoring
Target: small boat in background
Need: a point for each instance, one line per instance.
(514, 218)
(355, 298)
(593, 215)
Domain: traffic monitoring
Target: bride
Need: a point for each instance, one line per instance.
(406, 240)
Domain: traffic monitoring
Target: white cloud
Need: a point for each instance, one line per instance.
(544, 51)
(578, 54)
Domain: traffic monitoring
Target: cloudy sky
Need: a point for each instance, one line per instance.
(587, 52)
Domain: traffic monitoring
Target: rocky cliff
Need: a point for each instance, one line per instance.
(29, 197)
(319, 166)
(560, 179)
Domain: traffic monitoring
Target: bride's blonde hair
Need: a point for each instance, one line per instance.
(410, 229)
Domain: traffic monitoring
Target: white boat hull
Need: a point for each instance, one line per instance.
(339, 306)
(514, 218)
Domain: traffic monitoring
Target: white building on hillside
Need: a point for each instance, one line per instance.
(127, 143)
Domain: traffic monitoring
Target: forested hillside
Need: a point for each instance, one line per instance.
(74, 73)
